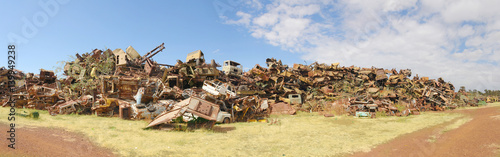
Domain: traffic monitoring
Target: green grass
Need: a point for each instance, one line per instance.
(380, 114)
(482, 106)
(304, 134)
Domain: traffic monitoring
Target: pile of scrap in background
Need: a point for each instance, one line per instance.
(130, 86)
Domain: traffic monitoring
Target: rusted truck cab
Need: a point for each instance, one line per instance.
(232, 68)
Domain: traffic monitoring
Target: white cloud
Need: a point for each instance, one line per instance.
(470, 55)
(456, 40)
(216, 51)
(474, 11)
(465, 31)
(397, 5)
(266, 19)
(256, 4)
(244, 19)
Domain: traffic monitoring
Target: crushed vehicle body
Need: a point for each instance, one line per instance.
(78, 106)
(217, 88)
(151, 110)
(193, 105)
(232, 68)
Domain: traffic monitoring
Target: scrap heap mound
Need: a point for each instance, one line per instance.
(131, 86)
(364, 89)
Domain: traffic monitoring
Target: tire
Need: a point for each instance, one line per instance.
(422, 109)
(243, 88)
(226, 121)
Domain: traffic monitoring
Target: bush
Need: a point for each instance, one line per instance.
(381, 114)
(481, 103)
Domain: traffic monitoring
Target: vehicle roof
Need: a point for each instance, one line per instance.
(233, 62)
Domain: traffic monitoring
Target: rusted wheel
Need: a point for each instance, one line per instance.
(186, 93)
(226, 120)
(422, 109)
(243, 87)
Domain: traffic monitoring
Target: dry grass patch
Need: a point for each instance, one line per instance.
(484, 106)
(494, 104)
(497, 117)
(496, 147)
(456, 124)
(459, 122)
(304, 134)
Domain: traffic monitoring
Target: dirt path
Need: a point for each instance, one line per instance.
(478, 137)
(37, 141)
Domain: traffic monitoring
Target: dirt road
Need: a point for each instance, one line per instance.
(36, 141)
(478, 137)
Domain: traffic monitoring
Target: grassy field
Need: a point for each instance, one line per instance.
(473, 108)
(304, 134)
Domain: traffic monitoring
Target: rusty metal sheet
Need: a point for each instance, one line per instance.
(194, 105)
(282, 108)
(166, 117)
(125, 112)
(373, 90)
(132, 53)
(380, 74)
(203, 108)
(327, 89)
(315, 73)
(150, 111)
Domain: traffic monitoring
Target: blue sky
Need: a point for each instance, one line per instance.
(81, 26)
(456, 40)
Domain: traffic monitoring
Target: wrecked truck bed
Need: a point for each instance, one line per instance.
(194, 105)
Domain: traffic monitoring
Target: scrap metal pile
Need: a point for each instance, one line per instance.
(366, 89)
(130, 86)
